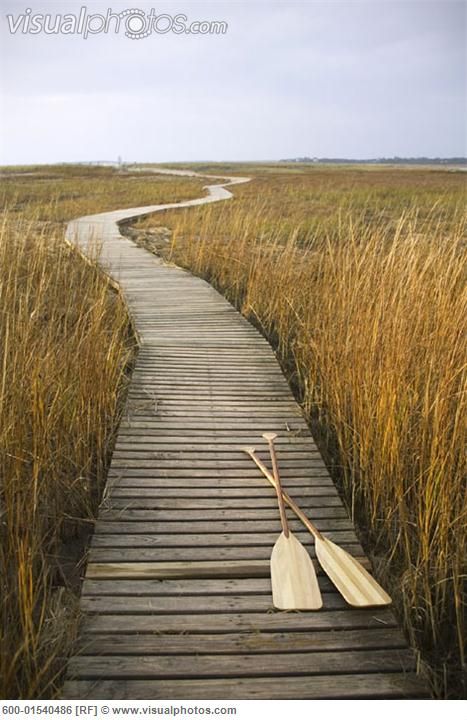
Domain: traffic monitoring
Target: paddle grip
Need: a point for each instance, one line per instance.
(292, 505)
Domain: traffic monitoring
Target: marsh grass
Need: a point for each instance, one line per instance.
(57, 194)
(66, 345)
(368, 309)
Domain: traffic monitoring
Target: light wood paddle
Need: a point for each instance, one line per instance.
(293, 576)
(354, 583)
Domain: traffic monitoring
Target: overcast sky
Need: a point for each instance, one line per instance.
(351, 78)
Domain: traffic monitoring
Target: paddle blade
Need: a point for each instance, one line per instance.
(293, 577)
(354, 583)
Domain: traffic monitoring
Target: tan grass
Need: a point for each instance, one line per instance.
(65, 345)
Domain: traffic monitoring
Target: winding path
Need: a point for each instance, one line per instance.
(177, 596)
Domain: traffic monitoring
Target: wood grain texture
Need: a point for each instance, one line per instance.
(354, 686)
(356, 585)
(293, 577)
(240, 643)
(249, 665)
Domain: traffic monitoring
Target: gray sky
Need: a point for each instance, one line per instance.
(351, 78)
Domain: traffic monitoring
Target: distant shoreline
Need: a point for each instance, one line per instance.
(452, 161)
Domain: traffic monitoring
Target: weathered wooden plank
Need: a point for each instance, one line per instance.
(122, 490)
(147, 503)
(152, 351)
(354, 686)
(184, 554)
(180, 357)
(177, 539)
(241, 427)
(213, 344)
(199, 456)
(195, 377)
(255, 404)
(161, 571)
(208, 443)
(212, 410)
(230, 465)
(320, 478)
(241, 643)
(203, 604)
(191, 377)
(205, 385)
(228, 331)
(213, 425)
(214, 526)
(248, 665)
(254, 400)
(211, 326)
(160, 369)
(112, 513)
(190, 586)
(349, 619)
(167, 367)
(258, 402)
(164, 570)
(214, 417)
(236, 440)
(136, 467)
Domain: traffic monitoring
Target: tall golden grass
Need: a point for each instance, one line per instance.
(369, 317)
(57, 194)
(65, 344)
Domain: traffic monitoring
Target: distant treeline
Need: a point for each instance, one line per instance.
(382, 161)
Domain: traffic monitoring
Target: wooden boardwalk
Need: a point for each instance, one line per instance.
(177, 595)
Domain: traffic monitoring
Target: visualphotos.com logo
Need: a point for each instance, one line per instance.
(133, 23)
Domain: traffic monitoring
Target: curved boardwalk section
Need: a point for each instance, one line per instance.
(177, 594)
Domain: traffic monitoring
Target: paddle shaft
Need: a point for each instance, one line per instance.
(278, 487)
(285, 497)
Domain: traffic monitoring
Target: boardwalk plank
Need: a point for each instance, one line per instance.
(346, 687)
(221, 493)
(228, 586)
(188, 569)
(175, 539)
(184, 554)
(148, 605)
(213, 527)
(324, 620)
(240, 643)
(294, 486)
(249, 665)
(112, 514)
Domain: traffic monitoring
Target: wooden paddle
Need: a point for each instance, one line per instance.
(293, 577)
(354, 583)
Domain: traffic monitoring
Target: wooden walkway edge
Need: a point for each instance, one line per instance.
(177, 594)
